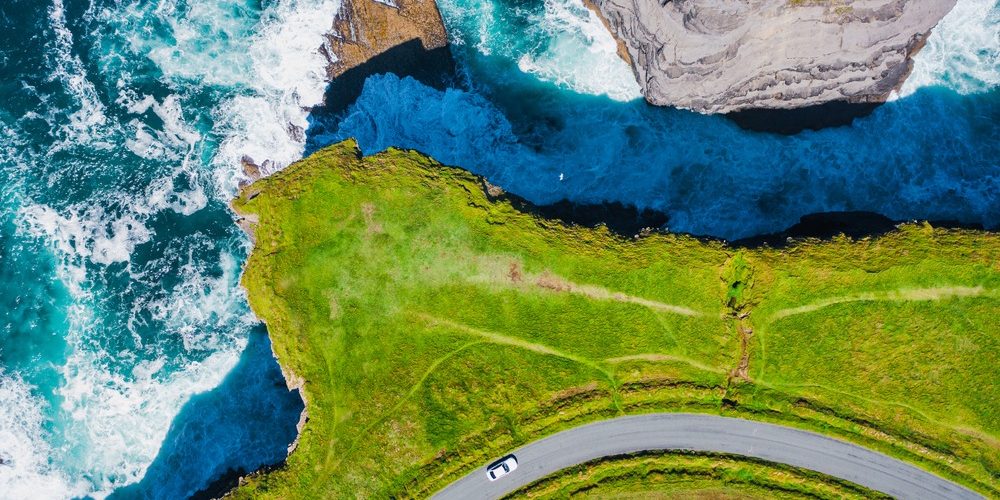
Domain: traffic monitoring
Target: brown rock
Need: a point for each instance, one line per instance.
(364, 29)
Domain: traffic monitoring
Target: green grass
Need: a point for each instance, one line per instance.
(399, 295)
(692, 476)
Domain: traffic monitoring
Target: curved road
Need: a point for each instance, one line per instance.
(708, 433)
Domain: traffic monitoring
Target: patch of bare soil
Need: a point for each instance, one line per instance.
(514, 273)
(742, 369)
(552, 282)
(372, 226)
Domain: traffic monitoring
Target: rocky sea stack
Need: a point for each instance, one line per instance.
(365, 29)
(719, 56)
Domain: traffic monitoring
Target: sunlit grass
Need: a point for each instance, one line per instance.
(435, 328)
(690, 476)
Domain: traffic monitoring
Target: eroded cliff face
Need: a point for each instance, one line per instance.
(718, 56)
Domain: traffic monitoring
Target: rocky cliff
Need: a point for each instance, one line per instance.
(718, 56)
(405, 37)
(364, 29)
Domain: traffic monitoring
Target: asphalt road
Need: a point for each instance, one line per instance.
(708, 433)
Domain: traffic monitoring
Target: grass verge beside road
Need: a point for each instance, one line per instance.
(693, 476)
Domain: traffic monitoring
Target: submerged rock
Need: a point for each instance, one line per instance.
(718, 56)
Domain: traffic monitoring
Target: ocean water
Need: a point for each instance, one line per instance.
(122, 125)
(130, 364)
(550, 112)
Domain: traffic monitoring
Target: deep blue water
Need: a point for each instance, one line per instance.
(931, 154)
(129, 360)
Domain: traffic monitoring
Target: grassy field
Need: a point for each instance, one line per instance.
(690, 476)
(432, 327)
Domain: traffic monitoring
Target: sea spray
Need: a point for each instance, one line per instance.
(119, 157)
(963, 51)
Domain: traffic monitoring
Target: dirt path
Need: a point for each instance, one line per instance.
(501, 339)
(660, 358)
(513, 275)
(901, 295)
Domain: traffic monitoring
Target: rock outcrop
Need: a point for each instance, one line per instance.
(405, 37)
(364, 29)
(719, 56)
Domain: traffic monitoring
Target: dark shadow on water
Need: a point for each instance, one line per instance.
(521, 133)
(627, 221)
(244, 424)
(827, 225)
(793, 121)
(623, 220)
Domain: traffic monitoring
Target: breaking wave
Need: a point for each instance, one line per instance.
(123, 140)
(963, 51)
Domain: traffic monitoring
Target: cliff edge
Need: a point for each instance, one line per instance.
(719, 56)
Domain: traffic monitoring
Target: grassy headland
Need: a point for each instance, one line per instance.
(432, 327)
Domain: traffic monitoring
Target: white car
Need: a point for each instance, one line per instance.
(501, 467)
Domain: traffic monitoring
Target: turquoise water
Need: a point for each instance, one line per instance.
(129, 360)
(122, 129)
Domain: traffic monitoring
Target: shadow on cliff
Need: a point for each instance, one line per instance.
(208, 443)
(828, 225)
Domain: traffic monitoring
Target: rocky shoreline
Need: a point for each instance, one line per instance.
(407, 37)
(364, 29)
(709, 56)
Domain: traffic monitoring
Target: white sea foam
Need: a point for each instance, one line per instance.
(25, 471)
(117, 402)
(289, 71)
(85, 123)
(963, 51)
(580, 54)
(117, 422)
(162, 194)
(208, 41)
(272, 59)
(173, 140)
(204, 310)
(87, 233)
(114, 419)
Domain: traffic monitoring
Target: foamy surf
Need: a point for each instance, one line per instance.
(184, 90)
(269, 123)
(561, 43)
(575, 34)
(707, 174)
(153, 310)
(963, 51)
(116, 406)
(25, 469)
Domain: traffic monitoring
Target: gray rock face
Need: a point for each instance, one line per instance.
(718, 56)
